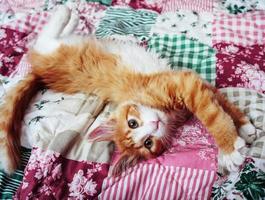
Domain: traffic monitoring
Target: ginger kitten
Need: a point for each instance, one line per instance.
(126, 74)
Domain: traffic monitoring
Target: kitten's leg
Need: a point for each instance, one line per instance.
(185, 89)
(245, 128)
(47, 40)
(201, 101)
(230, 161)
(57, 22)
(72, 24)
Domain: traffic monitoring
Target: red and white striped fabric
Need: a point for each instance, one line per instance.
(146, 181)
(196, 5)
(242, 29)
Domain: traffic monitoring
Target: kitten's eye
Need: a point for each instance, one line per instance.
(132, 123)
(148, 143)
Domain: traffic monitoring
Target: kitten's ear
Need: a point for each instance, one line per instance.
(123, 163)
(104, 132)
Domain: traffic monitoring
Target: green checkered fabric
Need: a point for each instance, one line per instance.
(121, 21)
(185, 53)
(10, 184)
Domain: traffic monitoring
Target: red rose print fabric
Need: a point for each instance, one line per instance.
(239, 66)
(12, 48)
(50, 176)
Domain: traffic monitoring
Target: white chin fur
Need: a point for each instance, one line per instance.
(232, 161)
(248, 132)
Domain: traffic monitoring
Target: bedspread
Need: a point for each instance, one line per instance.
(222, 40)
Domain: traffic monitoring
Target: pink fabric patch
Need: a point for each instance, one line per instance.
(242, 29)
(155, 5)
(239, 66)
(22, 5)
(186, 171)
(155, 181)
(50, 176)
(195, 5)
(30, 23)
(12, 48)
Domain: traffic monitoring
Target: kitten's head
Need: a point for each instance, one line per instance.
(139, 132)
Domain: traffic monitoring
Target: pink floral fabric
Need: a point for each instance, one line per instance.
(194, 145)
(186, 171)
(50, 176)
(12, 48)
(242, 29)
(239, 66)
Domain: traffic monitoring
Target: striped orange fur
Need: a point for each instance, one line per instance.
(89, 69)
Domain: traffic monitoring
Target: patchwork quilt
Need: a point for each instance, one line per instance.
(222, 40)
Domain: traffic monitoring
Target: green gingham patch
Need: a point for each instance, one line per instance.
(186, 53)
(253, 105)
(121, 21)
(10, 184)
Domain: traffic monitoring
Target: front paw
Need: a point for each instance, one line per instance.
(232, 161)
(248, 132)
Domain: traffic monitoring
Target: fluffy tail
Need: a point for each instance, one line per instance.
(11, 114)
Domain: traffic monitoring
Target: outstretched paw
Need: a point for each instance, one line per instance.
(62, 14)
(248, 132)
(48, 39)
(232, 160)
(71, 25)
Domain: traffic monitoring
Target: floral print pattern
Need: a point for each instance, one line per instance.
(50, 176)
(12, 48)
(194, 25)
(193, 144)
(81, 186)
(193, 135)
(241, 6)
(249, 184)
(239, 66)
